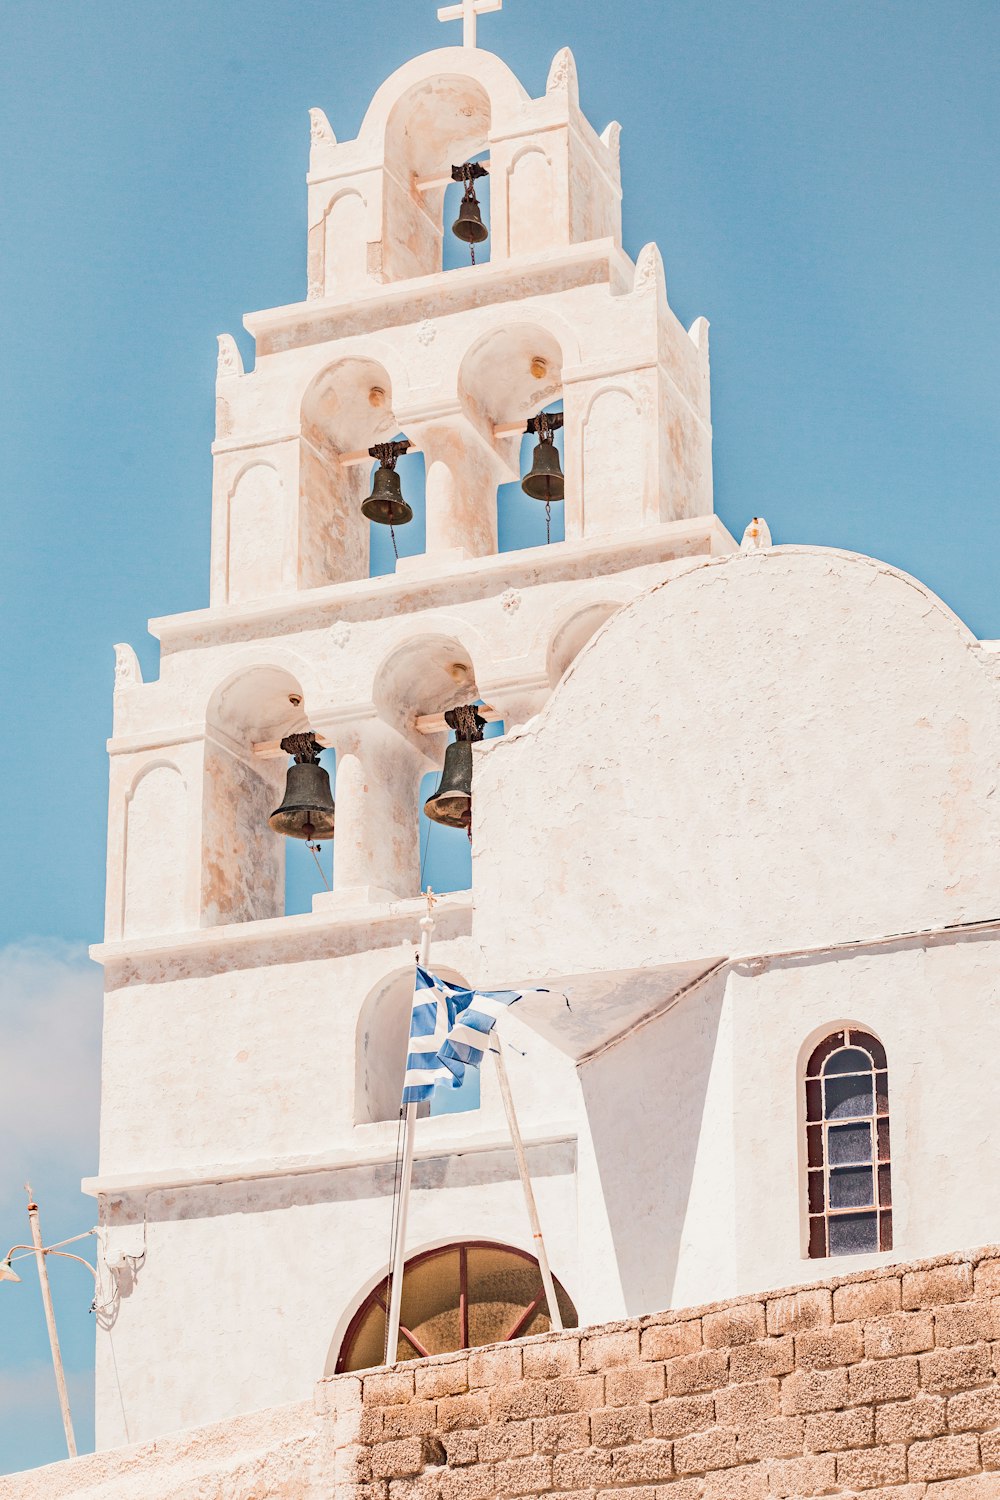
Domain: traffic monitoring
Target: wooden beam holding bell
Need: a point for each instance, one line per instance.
(385, 505)
(451, 804)
(307, 810)
(545, 480)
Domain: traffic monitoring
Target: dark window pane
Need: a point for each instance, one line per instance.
(814, 1145)
(853, 1234)
(822, 1052)
(814, 1099)
(883, 1140)
(852, 1187)
(816, 1204)
(871, 1044)
(817, 1239)
(881, 1093)
(884, 1187)
(849, 1061)
(885, 1230)
(850, 1144)
(849, 1097)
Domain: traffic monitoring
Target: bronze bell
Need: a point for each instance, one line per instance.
(545, 481)
(469, 225)
(385, 504)
(451, 804)
(307, 811)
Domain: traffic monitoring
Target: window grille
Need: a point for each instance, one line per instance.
(849, 1188)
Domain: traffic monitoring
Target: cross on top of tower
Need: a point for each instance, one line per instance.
(466, 12)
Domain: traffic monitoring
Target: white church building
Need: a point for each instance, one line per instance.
(743, 821)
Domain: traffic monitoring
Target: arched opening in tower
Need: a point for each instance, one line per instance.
(459, 1296)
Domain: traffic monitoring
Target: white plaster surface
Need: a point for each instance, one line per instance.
(709, 756)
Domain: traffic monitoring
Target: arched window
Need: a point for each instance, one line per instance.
(456, 1297)
(847, 1146)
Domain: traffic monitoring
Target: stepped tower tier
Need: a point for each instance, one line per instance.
(458, 360)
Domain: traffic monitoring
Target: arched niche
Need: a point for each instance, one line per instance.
(615, 459)
(460, 1295)
(243, 862)
(509, 375)
(257, 528)
(381, 1046)
(424, 675)
(572, 635)
(531, 197)
(456, 253)
(346, 409)
(427, 675)
(434, 125)
(156, 853)
(345, 243)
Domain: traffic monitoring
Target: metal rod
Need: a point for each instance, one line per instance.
(50, 1322)
(406, 1177)
(555, 1317)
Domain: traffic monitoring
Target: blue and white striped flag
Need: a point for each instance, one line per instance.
(449, 1031)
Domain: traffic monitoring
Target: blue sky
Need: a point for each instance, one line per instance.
(821, 178)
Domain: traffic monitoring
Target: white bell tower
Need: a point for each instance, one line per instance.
(253, 1060)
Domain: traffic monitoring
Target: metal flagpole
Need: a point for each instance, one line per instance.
(555, 1317)
(50, 1322)
(406, 1176)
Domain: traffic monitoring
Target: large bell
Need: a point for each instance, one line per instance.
(307, 810)
(545, 481)
(385, 504)
(451, 804)
(469, 225)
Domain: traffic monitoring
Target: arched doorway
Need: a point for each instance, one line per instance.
(456, 1297)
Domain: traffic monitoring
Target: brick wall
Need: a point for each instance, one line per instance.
(876, 1385)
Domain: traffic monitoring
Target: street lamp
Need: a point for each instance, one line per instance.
(40, 1251)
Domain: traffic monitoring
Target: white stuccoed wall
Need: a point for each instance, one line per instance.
(791, 748)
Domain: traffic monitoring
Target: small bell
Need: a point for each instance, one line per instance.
(451, 804)
(545, 481)
(385, 504)
(307, 811)
(469, 226)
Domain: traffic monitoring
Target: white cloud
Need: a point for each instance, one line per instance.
(50, 1035)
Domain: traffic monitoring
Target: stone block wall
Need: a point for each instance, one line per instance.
(878, 1385)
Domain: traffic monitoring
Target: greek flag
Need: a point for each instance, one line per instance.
(449, 1028)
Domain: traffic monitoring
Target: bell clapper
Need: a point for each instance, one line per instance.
(469, 226)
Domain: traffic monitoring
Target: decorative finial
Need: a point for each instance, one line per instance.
(320, 129)
(128, 672)
(467, 12)
(757, 536)
(230, 361)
